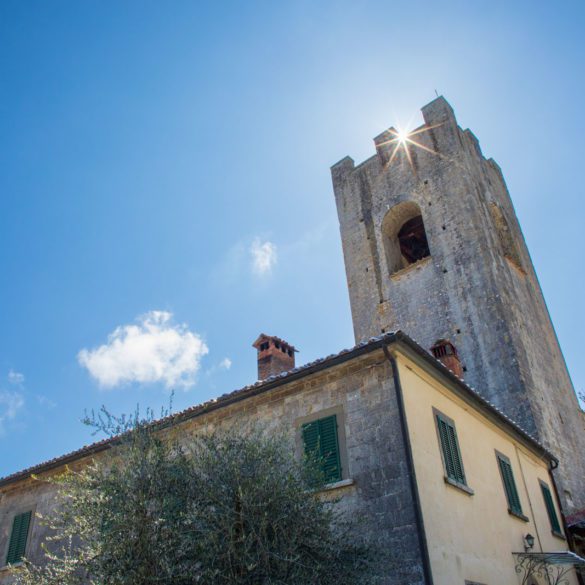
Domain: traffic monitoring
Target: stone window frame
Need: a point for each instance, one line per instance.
(556, 509)
(32, 508)
(464, 487)
(346, 478)
(506, 459)
(391, 224)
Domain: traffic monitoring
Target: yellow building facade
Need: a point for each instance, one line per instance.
(471, 529)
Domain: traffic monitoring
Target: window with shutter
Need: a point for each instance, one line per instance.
(18, 538)
(550, 508)
(321, 443)
(450, 449)
(514, 505)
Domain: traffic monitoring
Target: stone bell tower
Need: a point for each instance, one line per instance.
(432, 246)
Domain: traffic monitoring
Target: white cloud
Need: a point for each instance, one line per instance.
(15, 378)
(45, 401)
(10, 404)
(225, 363)
(264, 256)
(153, 350)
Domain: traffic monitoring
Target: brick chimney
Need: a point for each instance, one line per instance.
(446, 353)
(274, 356)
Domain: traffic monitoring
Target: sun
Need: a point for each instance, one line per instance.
(401, 136)
(403, 139)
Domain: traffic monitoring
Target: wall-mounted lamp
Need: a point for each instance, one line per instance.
(528, 542)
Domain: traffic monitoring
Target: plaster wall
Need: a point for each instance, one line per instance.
(472, 536)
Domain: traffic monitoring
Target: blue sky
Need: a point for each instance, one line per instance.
(165, 187)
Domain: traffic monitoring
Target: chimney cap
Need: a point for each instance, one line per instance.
(444, 343)
(263, 337)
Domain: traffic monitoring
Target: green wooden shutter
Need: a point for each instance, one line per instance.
(321, 442)
(330, 448)
(550, 508)
(457, 463)
(311, 439)
(444, 437)
(18, 538)
(510, 486)
(450, 448)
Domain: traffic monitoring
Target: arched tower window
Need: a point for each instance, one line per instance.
(405, 239)
(507, 242)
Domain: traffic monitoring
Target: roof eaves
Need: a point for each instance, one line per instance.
(475, 395)
(275, 381)
(211, 405)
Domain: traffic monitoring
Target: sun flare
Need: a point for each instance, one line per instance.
(402, 139)
(402, 136)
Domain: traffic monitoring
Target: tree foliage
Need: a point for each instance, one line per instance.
(221, 507)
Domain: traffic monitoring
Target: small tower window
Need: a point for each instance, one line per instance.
(404, 236)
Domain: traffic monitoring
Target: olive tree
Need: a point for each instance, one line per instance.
(224, 507)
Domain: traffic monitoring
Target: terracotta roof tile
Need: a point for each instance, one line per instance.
(266, 384)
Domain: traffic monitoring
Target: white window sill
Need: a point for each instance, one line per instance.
(13, 566)
(338, 484)
(518, 515)
(460, 486)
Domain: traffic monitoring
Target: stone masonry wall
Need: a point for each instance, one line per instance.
(478, 288)
(362, 391)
